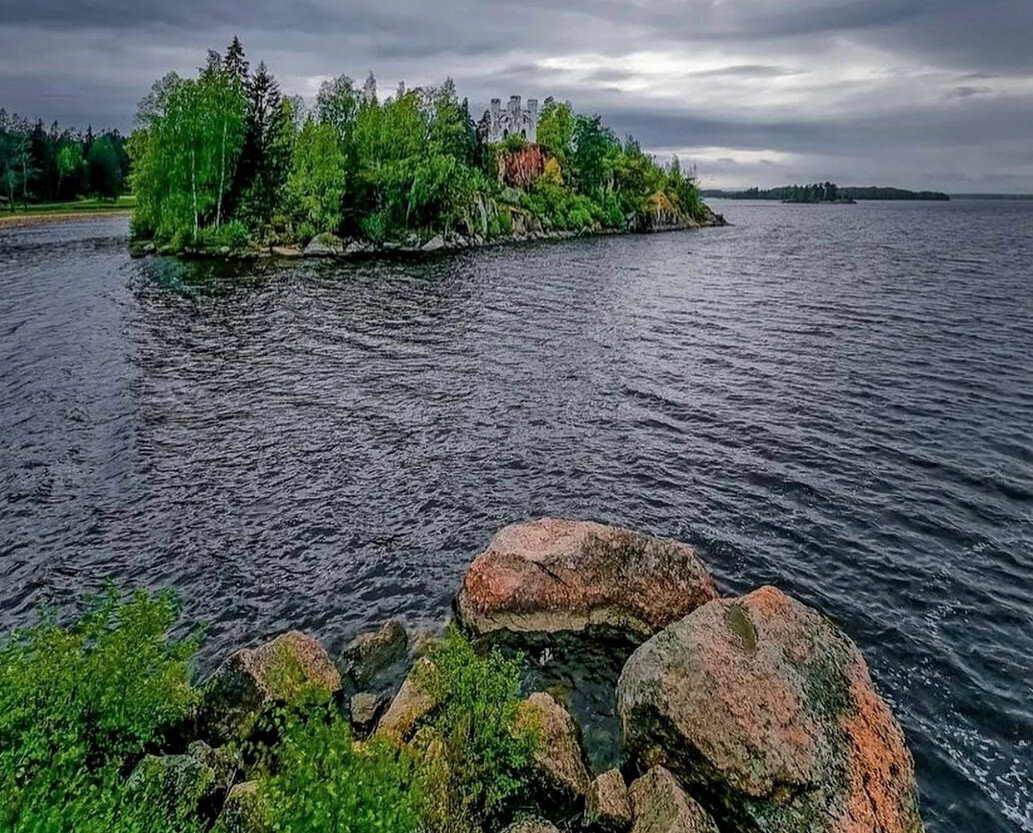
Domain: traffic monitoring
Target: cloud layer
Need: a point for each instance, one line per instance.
(917, 93)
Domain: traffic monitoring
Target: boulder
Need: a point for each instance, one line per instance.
(559, 760)
(365, 708)
(324, 245)
(286, 251)
(436, 243)
(415, 700)
(607, 806)
(661, 806)
(180, 783)
(765, 710)
(286, 670)
(550, 576)
(371, 652)
(243, 811)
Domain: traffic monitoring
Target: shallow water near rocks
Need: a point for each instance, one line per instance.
(834, 399)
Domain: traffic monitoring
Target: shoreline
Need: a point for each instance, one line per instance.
(42, 217)
(330, 247)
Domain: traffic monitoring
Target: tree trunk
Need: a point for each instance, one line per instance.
(193, 186)
(222, 175)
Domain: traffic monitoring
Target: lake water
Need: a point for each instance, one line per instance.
(834, 399)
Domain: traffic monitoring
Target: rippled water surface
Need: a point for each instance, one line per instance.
(837, 400)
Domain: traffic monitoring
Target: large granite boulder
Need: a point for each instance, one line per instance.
(550, 576)
(561, 772)
(290, 668)
(765, 711)
(660, 805)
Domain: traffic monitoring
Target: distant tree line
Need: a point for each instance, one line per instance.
(51, 164)
(226, 159)
(825, 192)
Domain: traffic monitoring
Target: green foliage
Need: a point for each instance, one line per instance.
(321, 780)
(104, 170)
(556, 128)
(484, 767)
(316, 181)
(78, 704)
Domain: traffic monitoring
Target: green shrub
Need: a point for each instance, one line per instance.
(484, 769)
(322, 780)
(79, 704)
(505, 222)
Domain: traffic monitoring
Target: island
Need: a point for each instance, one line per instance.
(225, 164)
(825, 192)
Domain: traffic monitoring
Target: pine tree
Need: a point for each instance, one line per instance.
(235, 63)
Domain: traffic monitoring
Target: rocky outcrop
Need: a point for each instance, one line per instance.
(765, 710)
(562, 775)
(550, 575)
(371, 652)
(291, 667)
(607, 805)
(415, 700)
(324, 245)
(661, 806)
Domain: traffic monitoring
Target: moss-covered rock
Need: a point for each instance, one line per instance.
(562, 776)
(291, 668)
(180, 784)
(417, 697)
(372, 651)
(660, 805)
(243, 811)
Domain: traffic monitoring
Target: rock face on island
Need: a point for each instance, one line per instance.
(550, 576)
(765, 711)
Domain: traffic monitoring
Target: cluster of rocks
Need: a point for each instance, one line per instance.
(753, 714)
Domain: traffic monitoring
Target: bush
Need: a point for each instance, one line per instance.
(79, 704)
(323, 781)
(484, 769)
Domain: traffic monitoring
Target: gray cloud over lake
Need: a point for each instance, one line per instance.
(917, 93)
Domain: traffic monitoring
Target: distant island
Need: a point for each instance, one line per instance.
(224, 163)
(826, 192)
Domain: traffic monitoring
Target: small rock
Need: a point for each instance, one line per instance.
(284, 671)
(531, 824)
(225, 762)
(434, 244)
(661, 806)
(559, 759)
(415, 700)
(243, 811)
(180, 782)
(551, 576)
(373, 651)
(324, 245)
(607, 806)
(286, 251)
(224, 250)
(149, 248)
(365, 708)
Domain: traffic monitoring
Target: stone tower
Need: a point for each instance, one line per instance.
(514, 120)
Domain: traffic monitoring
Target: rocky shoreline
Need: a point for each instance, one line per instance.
(330, 246)
(754, 714)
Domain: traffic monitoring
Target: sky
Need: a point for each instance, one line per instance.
(912, 93)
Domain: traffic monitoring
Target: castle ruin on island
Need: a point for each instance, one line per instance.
(515, 120)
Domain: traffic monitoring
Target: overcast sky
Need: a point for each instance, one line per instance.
(915, 93)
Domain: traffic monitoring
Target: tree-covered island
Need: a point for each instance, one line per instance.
(225, 163)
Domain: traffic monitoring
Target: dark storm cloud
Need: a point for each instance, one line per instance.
(917, 92)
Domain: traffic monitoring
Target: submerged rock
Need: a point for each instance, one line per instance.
(290, 667)
(562, 774)
(607, 805)
(551, 575)
(371, 652)
(436, 243)
(766, 711)
(661, 806)
(286, 251)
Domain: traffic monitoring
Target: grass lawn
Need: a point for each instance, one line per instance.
(66, 210)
